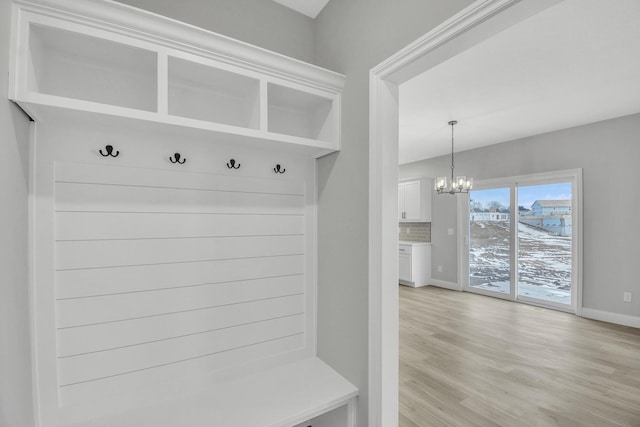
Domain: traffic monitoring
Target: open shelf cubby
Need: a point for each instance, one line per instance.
(74, 65)
(201, 92)
(296, 113)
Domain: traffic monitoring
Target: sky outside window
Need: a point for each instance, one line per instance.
(527, 195)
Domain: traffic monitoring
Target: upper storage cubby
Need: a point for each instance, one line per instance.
(78, 66)
(302, 114)
(202, 92)
(105, 61)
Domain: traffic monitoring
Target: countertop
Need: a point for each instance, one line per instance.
(407, 242)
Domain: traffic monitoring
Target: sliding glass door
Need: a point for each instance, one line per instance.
(522, 239)
(544, 242)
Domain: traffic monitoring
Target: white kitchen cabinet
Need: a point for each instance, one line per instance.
(414, 200)
(414, 262)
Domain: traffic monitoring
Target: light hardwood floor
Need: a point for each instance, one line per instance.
(471, 360)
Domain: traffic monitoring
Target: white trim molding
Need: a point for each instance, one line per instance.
(472, 25)
(611, 317)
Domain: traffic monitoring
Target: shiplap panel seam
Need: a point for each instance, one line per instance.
(181, 188)
(81, 282)
(182, 335)
(114, 362)
(178, 238)
(177, 262)
(115, 335)
(181, 287)
(93, 198)
(126, 175)
(84, 226)
(182, 361)
(180, 213)
(221, 236)
(179, 311)
(195, 370)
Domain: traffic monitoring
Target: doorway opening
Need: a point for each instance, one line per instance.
(477, 23)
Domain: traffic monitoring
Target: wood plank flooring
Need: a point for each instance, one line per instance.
(471, 360)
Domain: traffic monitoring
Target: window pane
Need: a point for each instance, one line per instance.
(489, 240)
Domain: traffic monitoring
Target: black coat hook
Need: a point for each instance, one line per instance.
(177, 159)
(279, 169)
(109, 149)
(232, 164)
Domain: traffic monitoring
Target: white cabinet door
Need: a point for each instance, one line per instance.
(412, 201)
(414, 264)
(404, 264)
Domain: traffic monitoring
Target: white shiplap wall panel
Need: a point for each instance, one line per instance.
(159, 376)
(157, 178)
(124, 360)
(134, 305)
(104, 336)
(73, 255)
(143, 225)
(87, 282)
(74, 196)
(162, 273)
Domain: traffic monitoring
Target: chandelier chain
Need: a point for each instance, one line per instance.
(452, 123)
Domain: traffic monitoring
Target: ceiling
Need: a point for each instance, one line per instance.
(311, 8)
(574, 63)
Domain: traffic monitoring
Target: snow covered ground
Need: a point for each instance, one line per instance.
(544, 261)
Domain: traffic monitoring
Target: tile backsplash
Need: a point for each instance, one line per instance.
(414, 231)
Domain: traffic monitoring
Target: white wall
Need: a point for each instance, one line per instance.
(351, 38)
(261, 23)
(65, 148)
(15, 359)
(608, 152)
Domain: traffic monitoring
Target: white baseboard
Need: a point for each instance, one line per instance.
(608, 316)
(443, 284)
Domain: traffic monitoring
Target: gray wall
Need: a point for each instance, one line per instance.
(261, 23)
(608, 153)
(352, 36)
(15, 359)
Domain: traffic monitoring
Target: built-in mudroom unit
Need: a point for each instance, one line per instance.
(173, 222)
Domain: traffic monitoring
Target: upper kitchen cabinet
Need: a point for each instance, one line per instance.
(100, 60)
(414, 200)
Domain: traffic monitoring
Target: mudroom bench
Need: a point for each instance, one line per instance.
(301, 394)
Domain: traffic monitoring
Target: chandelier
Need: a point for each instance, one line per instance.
(461, 184)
